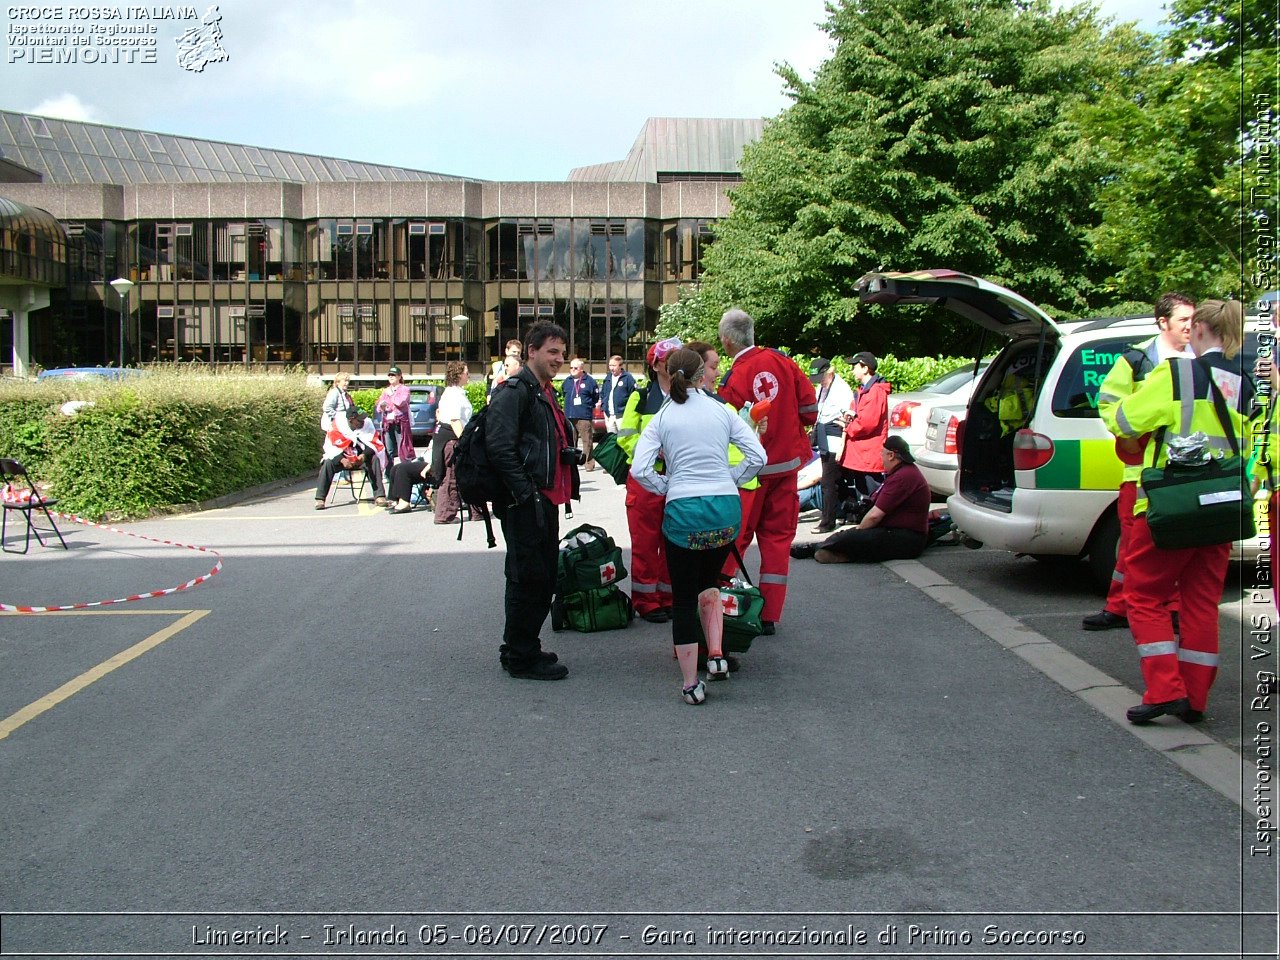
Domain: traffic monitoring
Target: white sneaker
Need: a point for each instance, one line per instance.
(717, 668)
(696, 695)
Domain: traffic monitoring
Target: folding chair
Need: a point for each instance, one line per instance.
(350, 487)
(12, 473)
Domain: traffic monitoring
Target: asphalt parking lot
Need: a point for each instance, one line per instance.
(320, 736)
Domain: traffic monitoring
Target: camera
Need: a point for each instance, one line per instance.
(572, 455)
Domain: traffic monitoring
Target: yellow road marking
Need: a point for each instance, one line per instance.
(72, 687)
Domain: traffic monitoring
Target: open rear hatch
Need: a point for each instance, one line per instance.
(1005, 397)
(989, 305)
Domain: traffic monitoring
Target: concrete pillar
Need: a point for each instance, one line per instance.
(21, 301)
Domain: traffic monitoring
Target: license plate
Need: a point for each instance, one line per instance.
(932, 432)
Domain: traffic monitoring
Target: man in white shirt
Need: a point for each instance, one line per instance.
(835, 397)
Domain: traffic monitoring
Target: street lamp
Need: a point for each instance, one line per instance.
(459, 322)
(122, 287)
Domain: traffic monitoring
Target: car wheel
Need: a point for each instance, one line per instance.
(1103, 548)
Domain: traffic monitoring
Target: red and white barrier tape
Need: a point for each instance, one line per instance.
(217, 567)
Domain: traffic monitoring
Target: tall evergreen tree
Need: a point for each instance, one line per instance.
(938, 134)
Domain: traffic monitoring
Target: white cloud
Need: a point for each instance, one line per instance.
(66, 106)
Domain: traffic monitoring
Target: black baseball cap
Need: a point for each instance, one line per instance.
(818, 369)
(901, 448)
(866, 359)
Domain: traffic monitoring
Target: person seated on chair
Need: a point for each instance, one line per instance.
(406, 475)
(347, 447)
(896, 527)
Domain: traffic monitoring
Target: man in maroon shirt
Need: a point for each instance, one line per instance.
(897, 525)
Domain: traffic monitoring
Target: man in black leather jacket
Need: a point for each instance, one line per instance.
(530, 446)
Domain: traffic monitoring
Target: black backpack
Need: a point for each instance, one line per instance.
(478, 483)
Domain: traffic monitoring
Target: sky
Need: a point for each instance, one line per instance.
(493, 89)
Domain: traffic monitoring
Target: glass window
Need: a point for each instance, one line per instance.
(1076, 393)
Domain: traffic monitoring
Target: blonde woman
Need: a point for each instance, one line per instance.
(1178, 399)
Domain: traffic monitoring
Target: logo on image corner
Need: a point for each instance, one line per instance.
(202, 45)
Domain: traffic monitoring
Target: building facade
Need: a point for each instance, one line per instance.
(246, 255)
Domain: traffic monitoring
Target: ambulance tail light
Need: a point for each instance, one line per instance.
(1031, 450)
(900, 415)
(951, 440)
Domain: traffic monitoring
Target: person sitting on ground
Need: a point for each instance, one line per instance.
(348, 447)
(897, 525)
(809, 483)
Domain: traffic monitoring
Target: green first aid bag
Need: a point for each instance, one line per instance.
(613, 458)
(742, 609)
(588, 558)
(743, 605)
(588, 611)
(1204, 504)
(1198, 506)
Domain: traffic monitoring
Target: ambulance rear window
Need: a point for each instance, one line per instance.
(1076, 393)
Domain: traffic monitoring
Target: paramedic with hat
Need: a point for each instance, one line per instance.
(770, 513)
(866, 425)
(897, 525)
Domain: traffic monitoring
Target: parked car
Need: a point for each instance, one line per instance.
(939, 457)
(423, 399)
(1038, 473)
(90, 373)
(909, 412)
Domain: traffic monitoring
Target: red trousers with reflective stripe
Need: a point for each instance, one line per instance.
(770, 514)
(649, 588)
(1124, 511)
(1173, 668)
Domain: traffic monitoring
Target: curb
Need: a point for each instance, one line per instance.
(1210, 762)
(217, 503)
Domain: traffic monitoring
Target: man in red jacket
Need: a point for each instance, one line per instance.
(866, 427)
(770, 514)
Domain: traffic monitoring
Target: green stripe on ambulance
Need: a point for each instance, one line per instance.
(1081, 465)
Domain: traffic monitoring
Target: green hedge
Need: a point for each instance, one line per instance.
(904, 375)
(173, 437)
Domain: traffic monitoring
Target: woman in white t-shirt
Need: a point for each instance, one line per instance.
(703, 513)
(452, 414)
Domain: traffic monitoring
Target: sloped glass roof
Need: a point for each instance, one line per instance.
(69, 151)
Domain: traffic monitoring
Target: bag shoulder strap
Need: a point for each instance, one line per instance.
(1220, 408)
(742, 567)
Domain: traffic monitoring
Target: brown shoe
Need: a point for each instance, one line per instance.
(319, 504)
(379, 501)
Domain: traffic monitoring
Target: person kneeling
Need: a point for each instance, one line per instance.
(897, 525)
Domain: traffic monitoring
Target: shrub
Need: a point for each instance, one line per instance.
(174, 437)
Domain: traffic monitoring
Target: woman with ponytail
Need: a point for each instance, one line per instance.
(691, 433)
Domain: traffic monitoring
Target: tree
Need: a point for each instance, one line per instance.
(938, 134)
(1188, 144)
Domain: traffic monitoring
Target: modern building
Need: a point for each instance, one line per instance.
(241, 254)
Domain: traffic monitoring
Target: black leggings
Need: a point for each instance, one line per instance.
(691, 572)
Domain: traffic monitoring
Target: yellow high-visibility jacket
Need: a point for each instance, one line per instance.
(635, 420)
(1176, 396)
